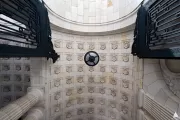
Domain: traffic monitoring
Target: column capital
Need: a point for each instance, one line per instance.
(38, 91)
(35, 114)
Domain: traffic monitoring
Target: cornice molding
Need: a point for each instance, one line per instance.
(62, 23)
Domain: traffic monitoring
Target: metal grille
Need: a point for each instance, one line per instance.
(157, 111)
(157, 33)
(25, 29)
(164, 24)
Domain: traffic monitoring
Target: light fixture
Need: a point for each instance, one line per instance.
(91, 58)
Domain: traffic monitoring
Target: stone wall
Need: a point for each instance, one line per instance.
(161, 84)
(14, 79)
(106, 91)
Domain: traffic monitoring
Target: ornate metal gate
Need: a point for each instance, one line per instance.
(157, 33)
(25, 29)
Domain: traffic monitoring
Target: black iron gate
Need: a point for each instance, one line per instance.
(157, 33)
(25, 29)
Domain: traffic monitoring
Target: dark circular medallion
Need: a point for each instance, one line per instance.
(91, 58)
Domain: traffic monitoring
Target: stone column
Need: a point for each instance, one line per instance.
(16, 109)
(35, 114)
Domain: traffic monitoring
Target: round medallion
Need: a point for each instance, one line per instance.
(80, 111)
(57, 96)
(102, 90)
(102, 101)
(126, 44)
(79, 79)
(6, 78)
(91, 58)
(80, 90)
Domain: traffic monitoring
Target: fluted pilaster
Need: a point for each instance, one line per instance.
(15, 110)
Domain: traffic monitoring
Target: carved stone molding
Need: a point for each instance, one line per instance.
(69, 80)
(57, 82)
(18, 88)
(112, 115)
(91, 79)
(101, 111)
(102, 79)
(125, 57)
(91, 69)
(5, 67)
(68, 114)
(125, 71)
(80, 68)
(102, 101)
(172, 79)
(126, 44)
(69, 45)
(69, 57)
(27, 58)
(17, 58)
(91, 46)
(91, 100)
(57, 44)
(80, 100)
(114, 45)
(125, 83)
(102, 56)
(112, 104)
(90, 110)
(7, 88)
(80, 111)
(57, 108)
(69, 92)
(18, 67)
(80, 79)
(80, 57)
(57, 95)
(114, 69)
(7, 78)
(114, 57)
(91, 89)
(17, 78)
(124, 109)
(69, 69)
(113, 80)
(84, 87)
(27, 78)
(80, 90)
(7, 58)
(57, 69)
(102, 90)
(113, 92)
(7, 99)
(81, 46)
(102, 46)
(102, 68)
(69, 103)
(124, 96)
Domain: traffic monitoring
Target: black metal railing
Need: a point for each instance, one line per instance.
(157, 33)
(25, 29)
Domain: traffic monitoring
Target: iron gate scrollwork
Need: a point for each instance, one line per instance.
(157, 32)
(25, 29)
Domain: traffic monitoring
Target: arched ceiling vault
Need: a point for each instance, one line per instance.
(92, 15)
